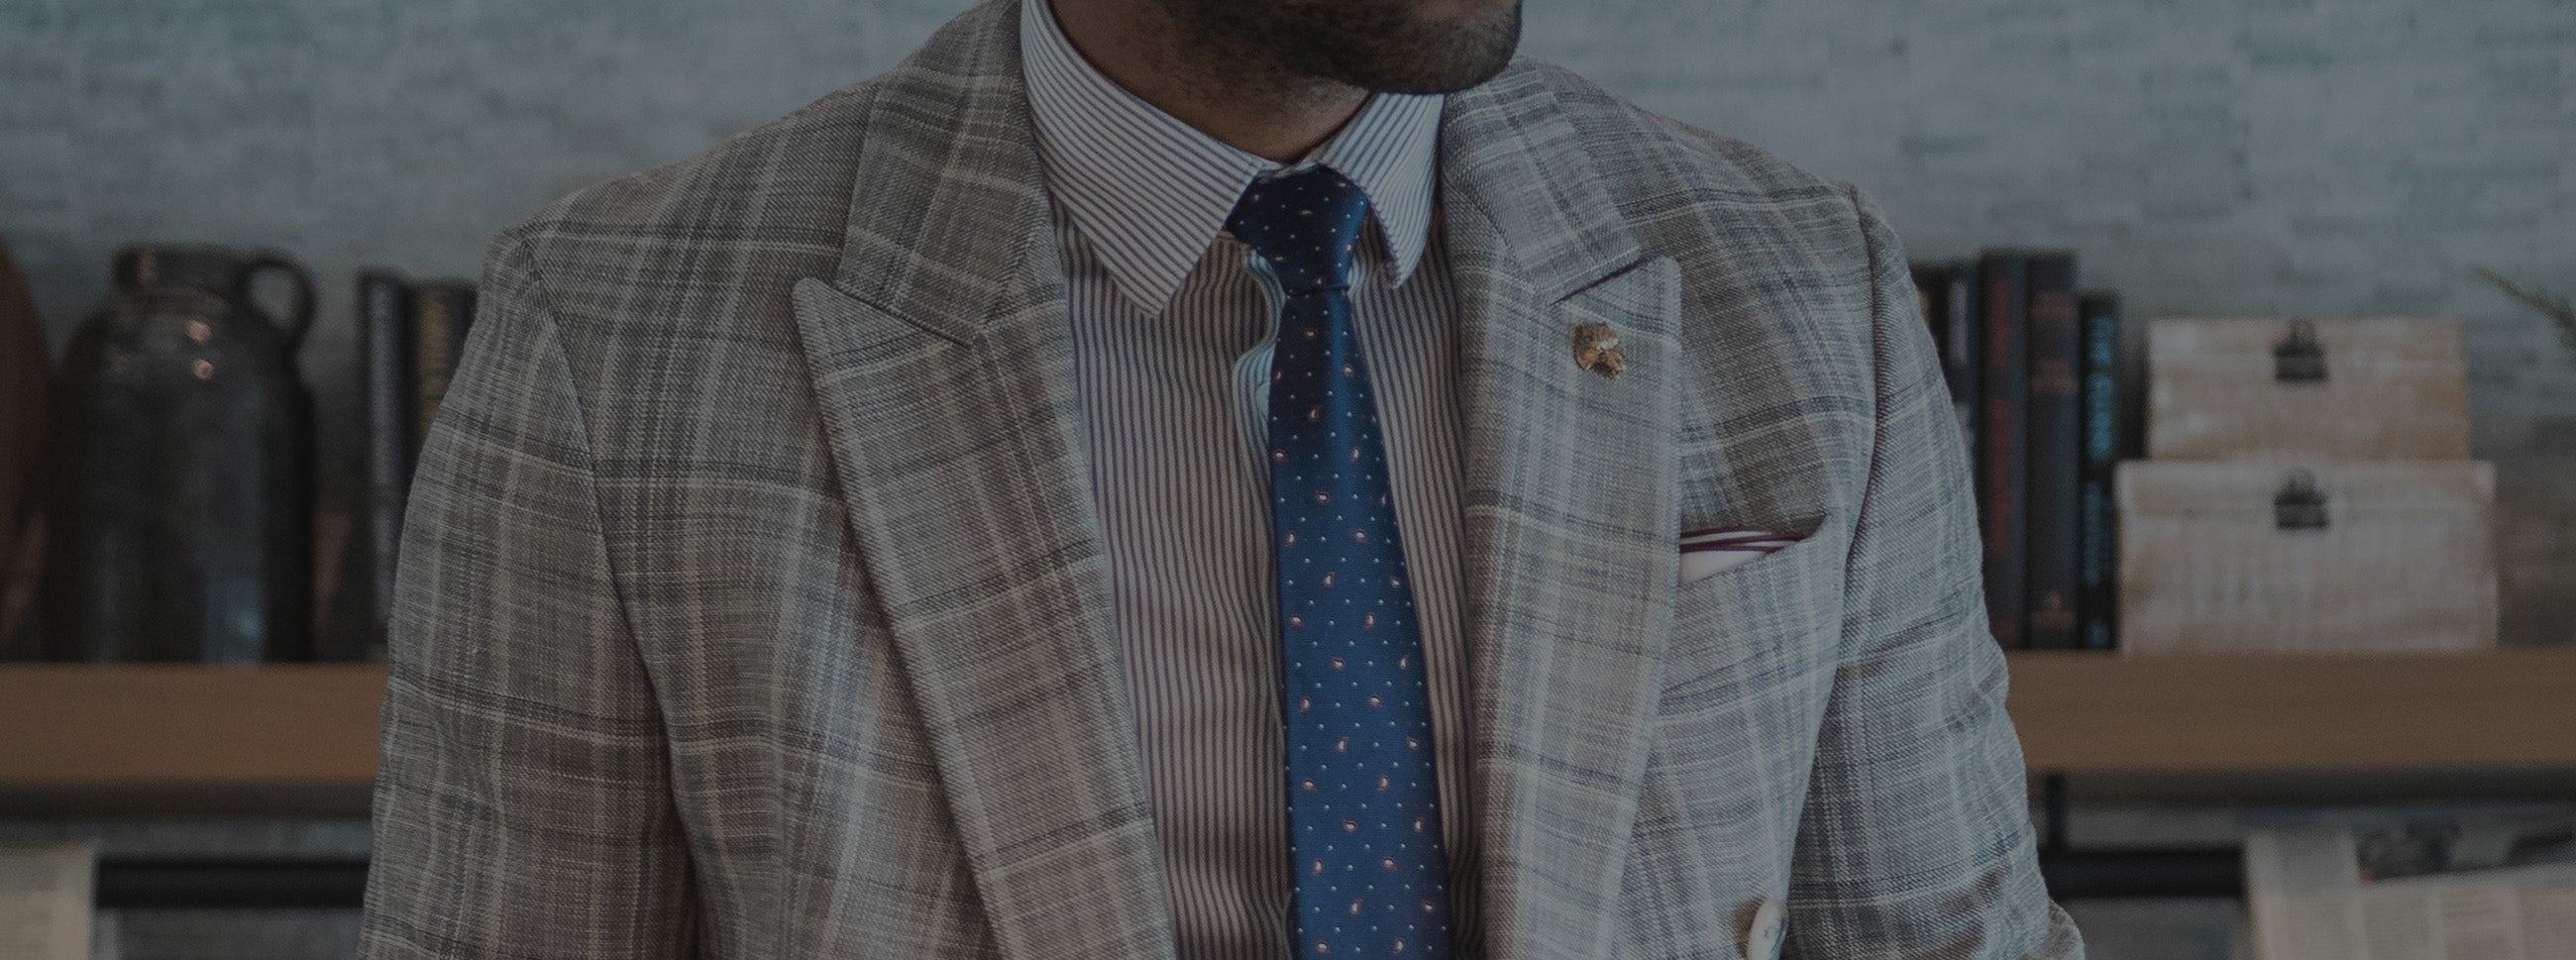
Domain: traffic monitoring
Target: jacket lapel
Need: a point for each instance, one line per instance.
(1570, 513)
(943, 369)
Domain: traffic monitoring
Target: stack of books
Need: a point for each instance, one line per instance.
(2032, 364)
(411, 334)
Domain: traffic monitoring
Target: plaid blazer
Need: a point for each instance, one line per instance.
(751, 603)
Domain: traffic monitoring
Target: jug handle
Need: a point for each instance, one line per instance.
(300, 317)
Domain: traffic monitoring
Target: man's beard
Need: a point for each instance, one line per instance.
(1383, 46)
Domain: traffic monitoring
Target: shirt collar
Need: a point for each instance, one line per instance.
(1149, 192)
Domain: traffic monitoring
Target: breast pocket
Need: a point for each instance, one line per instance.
(1755, 622)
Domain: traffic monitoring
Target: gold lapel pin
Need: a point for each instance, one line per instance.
(1596, 348)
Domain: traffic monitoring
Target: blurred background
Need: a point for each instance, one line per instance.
(2254, 161)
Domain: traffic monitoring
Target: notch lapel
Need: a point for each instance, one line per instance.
(1570, 514)
(943, 369)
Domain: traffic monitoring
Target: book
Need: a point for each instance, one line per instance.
(2052, 556)
(25, 372)
(364, 604)
(1960, 357)
(441, 312)
(410, 333)
(2098, 520)
(1945, 290)
(2004, 438)
(1932, 298)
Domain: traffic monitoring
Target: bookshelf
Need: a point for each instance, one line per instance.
(2500, 710)
(301, 738)
(271, 739)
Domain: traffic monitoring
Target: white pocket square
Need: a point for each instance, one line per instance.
(1715, 550)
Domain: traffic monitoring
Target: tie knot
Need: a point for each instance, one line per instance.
(1307, 224)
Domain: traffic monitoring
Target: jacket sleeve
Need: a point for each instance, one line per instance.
(1916, 841)
(522, 806)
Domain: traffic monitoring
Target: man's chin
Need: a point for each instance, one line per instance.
(1437, 55)
(1384, 46)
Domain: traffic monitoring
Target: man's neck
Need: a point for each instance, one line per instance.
(1238, 99)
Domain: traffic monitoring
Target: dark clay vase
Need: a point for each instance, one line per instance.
(180, 507)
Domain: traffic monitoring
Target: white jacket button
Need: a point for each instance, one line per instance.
(1763, 936)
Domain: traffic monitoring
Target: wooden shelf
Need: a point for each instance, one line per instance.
(2503, 710)
(132, 738)
(302, 737)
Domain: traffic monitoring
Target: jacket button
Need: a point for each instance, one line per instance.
(1762, 937)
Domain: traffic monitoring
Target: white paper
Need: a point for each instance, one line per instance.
(2299, 883)
(45, 896)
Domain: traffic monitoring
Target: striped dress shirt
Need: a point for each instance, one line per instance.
(1172, 323)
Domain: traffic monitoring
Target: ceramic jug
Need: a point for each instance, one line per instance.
(180, 439)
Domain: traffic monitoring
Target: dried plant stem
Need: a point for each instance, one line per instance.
(2556, 307)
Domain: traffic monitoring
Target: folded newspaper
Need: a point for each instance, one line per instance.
(2448, 889)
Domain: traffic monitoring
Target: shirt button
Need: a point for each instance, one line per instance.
(1762, 937)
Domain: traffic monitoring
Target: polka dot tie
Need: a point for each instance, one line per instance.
(1363, 804)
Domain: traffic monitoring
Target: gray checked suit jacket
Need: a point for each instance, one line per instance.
(751, 603)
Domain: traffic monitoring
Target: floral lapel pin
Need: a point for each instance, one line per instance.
(1596, 348)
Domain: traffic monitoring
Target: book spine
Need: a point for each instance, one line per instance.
(384, 319)
(1932, 299)
(2053, 554)
(441, 313)
(25, 370)
(1960, 359)
(2098, 597)
(2004, 435)
(1932, 283)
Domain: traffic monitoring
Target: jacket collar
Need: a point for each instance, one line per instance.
(1148, 192)
(949, 206)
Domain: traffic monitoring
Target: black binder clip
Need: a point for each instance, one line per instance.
(2299, 505)
(2298, 357)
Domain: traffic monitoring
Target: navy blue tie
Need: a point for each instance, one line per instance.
(1363, 798)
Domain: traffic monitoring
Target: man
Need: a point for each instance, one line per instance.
(1201, 479)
